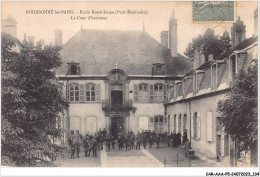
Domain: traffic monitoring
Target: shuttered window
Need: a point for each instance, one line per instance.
(81, 93)
(135, 92)
(151, 93)
(90, 92)
(98, 93)
(143, 93)
(73, 92)
(209, 126)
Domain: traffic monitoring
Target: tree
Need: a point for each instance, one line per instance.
(239, 109)
(31, 102)
(209, 43)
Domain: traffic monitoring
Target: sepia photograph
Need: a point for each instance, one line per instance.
(129, 84)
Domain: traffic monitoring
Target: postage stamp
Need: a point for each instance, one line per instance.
(213, 11)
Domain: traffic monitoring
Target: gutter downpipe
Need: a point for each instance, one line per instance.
(190, 121)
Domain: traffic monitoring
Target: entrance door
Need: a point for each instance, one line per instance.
(117, 126)
(116, 98)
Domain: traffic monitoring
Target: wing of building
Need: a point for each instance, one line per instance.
(117, 80)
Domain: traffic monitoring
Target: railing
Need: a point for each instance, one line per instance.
(108, 105)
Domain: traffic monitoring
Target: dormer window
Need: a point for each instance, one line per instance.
(197, 78)
(158, 69)
(214, 76)
(232, 66)
(73, 69)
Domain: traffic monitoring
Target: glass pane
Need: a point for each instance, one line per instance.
(92, 93)
(76, 98)
(88, 87)
(71, 98)
(156, 119)
(93, 98)
(92, 87)
(76, 87)
(140, 87)
(88, 98)
(88, 93)
(77, 93)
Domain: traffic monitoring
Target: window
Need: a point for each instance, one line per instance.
(195, 125)
(214, 76)
(77, 132)
(73, 92)
(151, 119)
(174, 122)
(209, 126)
(218, 125)
(184, 122)
(158, 124)
(233, 66)
(73, 69)
(171, 91)
(158, 69)
(90, 92)
(195, 83)
(159, 92)
(143, 93)
(179, 124)
(72, 132)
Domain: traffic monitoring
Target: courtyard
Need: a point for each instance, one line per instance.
(150, 157)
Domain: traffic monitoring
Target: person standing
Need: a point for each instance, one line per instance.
(133, 141)
(94, 148)
(151, 141)
(138, 141)
(113, 141)
(120, 143)
(144, 139)
(158, 141)
(108, 143)
(72, 149)
(77, 146)
(184, 138)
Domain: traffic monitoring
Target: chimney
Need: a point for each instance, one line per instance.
(238, 32)
(173, 36)
(210, 57)
(58, 38)
(256, 22)
(9, 26)
(196, 58)
(30, 41)
(164, 38)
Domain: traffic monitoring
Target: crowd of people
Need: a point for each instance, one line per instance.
(92, 143)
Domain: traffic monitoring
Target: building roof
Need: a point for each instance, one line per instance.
(98, 51)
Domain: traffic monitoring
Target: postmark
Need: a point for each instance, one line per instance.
(213, 11)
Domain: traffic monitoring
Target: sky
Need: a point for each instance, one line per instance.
(42, 26)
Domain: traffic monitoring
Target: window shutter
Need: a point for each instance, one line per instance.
(98, 93)
(81, 93)
(181, 130)
(198, 126)
(151, 93)
(165, 92)
(192, 130)
(209, 126)
(78, 70)
(136, 93)
(68, 92)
